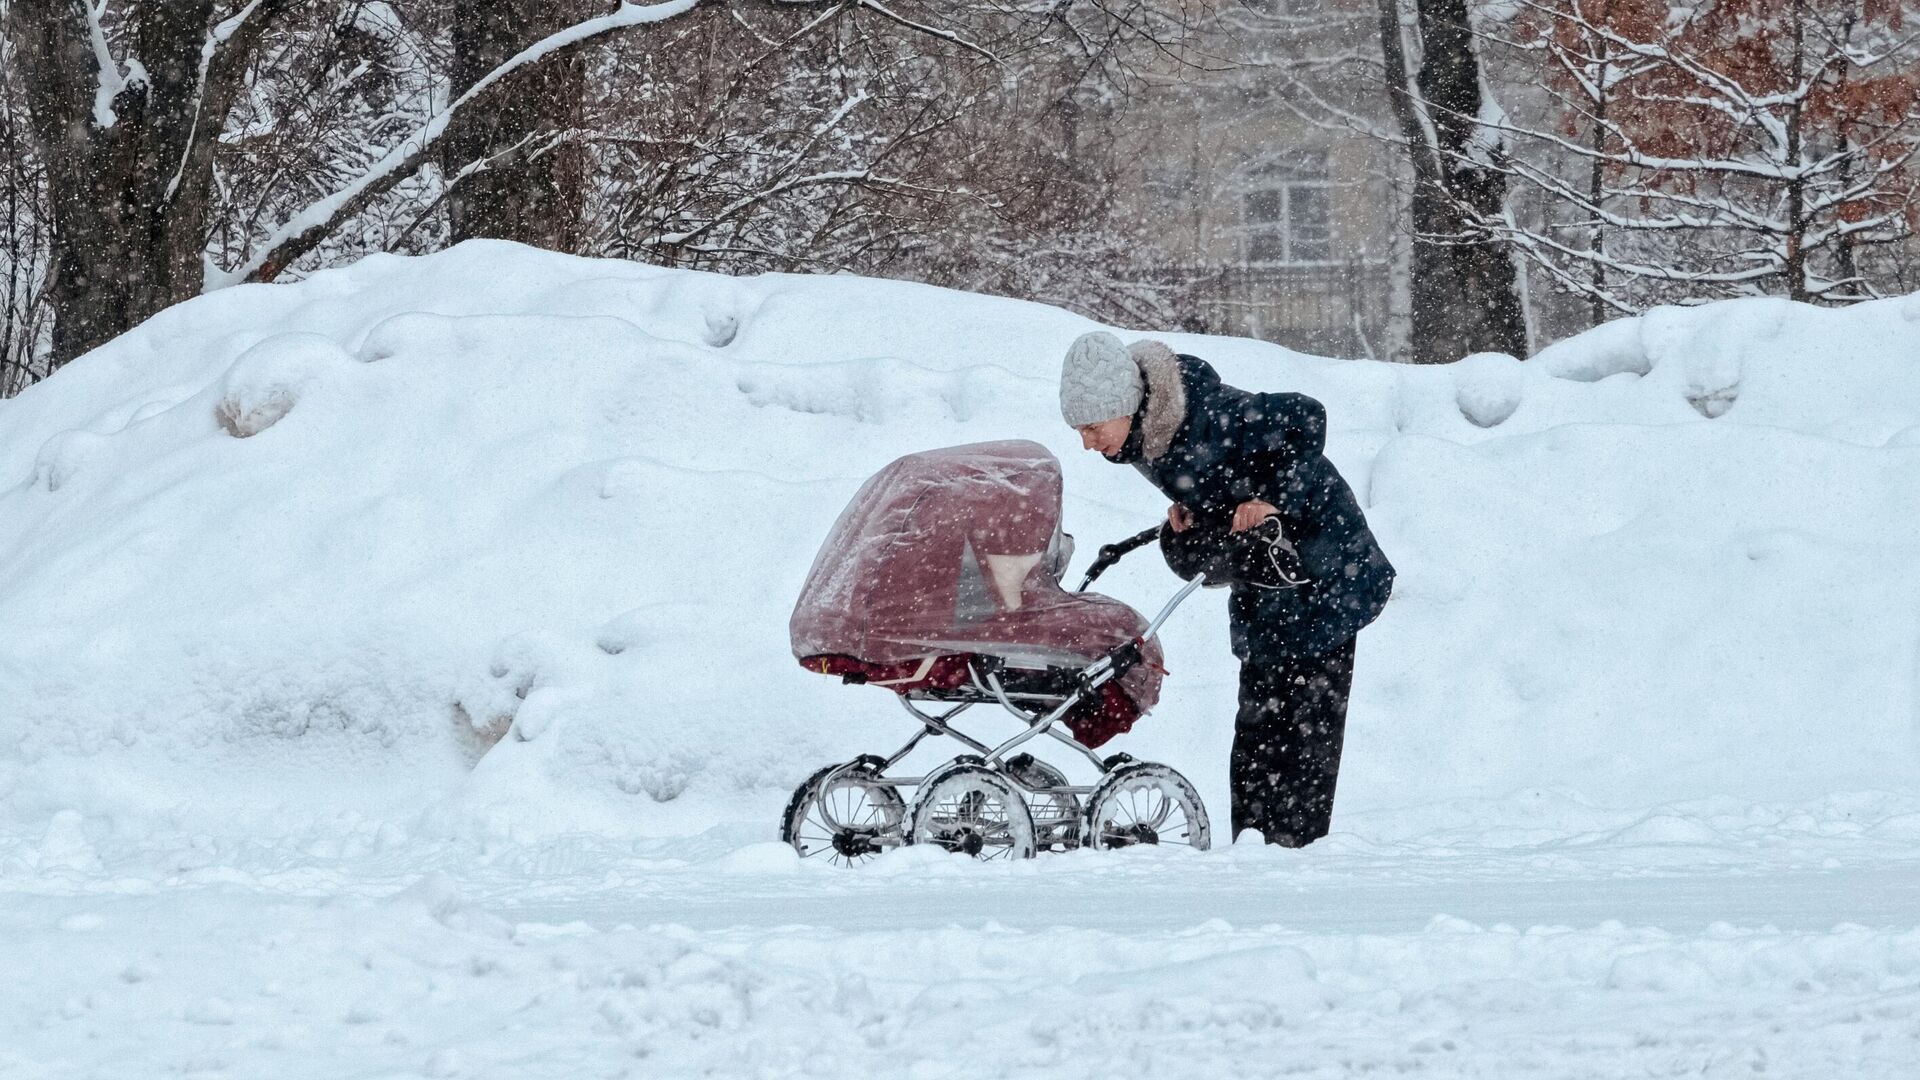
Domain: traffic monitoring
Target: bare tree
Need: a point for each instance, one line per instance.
(1465, 289)
(263, 131)
(1411, 76)
(129, 103)
(24, 312)
(524, 178)
(1743, 147)
(128, 141)
(748, 140)
(328, 94)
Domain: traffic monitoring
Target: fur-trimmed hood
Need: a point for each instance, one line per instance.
(1233, 446)
(1166, 405)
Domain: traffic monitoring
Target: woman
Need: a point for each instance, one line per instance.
(1230, 460)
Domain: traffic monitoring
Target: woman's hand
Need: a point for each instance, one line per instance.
(1250, 513)
(1179, 518)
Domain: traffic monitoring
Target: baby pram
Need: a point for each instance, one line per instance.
(941, 583)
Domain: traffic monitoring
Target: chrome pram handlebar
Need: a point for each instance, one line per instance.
(1097, 674)
(1114, 552)
(1116, 663)
(1119, 660)
(1185, 591)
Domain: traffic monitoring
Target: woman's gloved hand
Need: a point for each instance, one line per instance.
(1251, 513)
(1259, 555)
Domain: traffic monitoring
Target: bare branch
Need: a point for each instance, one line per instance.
(306, 229)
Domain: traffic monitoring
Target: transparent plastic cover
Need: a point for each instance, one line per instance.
(959, 550)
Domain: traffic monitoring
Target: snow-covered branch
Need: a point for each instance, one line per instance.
(221, 33)
(309, 226)
(110, 80)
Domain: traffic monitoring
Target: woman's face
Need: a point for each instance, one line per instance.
(1107, 436)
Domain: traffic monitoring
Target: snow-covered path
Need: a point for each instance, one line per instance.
(1880, 896)
(360, 956)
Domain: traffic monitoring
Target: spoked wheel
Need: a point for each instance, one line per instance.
(975, 811)
(1143, 803)
(843, 816)
(1056, 814)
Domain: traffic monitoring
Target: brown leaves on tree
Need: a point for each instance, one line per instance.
(1784, 120)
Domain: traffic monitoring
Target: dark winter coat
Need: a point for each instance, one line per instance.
(1234, 446)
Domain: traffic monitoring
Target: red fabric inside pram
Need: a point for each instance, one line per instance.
(1094, 721)
(954, 553)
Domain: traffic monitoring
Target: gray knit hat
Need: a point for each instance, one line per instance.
(1099, 380)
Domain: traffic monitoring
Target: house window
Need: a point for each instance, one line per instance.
(1288, 213)
(1284, 7)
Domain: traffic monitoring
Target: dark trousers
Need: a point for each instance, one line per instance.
(1286, 745)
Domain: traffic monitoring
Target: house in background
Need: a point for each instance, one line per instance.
(1270, 225)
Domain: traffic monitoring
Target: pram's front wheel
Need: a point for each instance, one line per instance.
(844, 815)
(975, 811)
(1144, 803)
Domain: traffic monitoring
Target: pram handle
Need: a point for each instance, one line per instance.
(1112, 553)
(1125, 657)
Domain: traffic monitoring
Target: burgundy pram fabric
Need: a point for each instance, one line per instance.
(953, 553)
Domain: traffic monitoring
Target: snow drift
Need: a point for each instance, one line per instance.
(510, 531)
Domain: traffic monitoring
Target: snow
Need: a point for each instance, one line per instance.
(221, 33)
(111, 79)
(395, 161)
(397, 683)
(435, 985)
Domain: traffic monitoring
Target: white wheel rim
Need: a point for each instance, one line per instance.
(1144, 809)
(974, 815)
(841, 805)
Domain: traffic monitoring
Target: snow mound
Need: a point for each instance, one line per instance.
(64, 457)
(265, 383)
(1490, 388)
(516, 535)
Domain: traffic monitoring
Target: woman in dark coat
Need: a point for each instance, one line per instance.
(1230, 460)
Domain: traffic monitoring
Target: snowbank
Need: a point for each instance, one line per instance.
(429, 982)
(516, 533)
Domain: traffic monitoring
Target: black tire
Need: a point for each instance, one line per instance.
(1137, 802)
(973, 810)
(812, 826)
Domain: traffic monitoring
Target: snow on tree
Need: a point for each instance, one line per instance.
(1426, 96)
(1739, 147)
(130, 102)
(25, 317)
(1466, 293)
(196, 144)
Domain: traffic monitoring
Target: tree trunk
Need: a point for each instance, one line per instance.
(1431, 275)
(525, 187)
(1486, 314)
(127, 178)
(1597, 179)
(1465, 287)
(1797, 218)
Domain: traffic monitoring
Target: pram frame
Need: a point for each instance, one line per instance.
(1041, 717)
(986, 688)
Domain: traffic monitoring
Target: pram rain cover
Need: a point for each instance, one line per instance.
(958, 551)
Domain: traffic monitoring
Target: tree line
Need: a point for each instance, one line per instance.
(155, 149)
(1637, 152)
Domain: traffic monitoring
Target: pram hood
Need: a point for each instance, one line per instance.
(959, 550)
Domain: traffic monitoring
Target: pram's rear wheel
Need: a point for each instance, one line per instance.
(975, 811)
(842, 815)
(1056, 813)
(1144, 803)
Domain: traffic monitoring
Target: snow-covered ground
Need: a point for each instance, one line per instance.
(395, 683)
